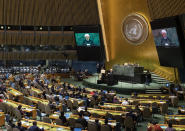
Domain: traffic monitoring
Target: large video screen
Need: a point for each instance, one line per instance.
(166, 37)
(87, 39)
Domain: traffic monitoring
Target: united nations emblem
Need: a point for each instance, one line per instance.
(135, 29)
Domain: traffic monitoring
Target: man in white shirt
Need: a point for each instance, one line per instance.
(125, 102)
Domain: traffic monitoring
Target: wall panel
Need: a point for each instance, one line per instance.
(165, 8)
(48, 12)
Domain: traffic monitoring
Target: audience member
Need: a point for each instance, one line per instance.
(154, 127)
(20, 127)
(98, 124)
(34, 127)
(63, 118)
(106, 123)
(82, 121)
(170, 128)
(125, 102)
(20, 109)
(10, 123)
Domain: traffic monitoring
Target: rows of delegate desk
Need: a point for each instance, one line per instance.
(142, 99)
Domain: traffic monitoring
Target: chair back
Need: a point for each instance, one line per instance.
(95, 115)
(78, 125)
(147, 113)
(109, 116)
(173, 121)
(69, 104)
(92, 126)
(154, 104)
(129, 123)
(135, 102)
(75, 103)
(2, 106)
(43, 109)
(164, 109)
(105, 128)
(16, 129)
(17, 113)
(174, 102)
(119, 109)
(72, 122)
(46, 120)
(8, 128)
(128, 109)
(151, 97)
(182, 122)
(47, 109)
(59, 122)
(119, 119)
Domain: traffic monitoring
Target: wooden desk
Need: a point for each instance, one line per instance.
(47, 127)
(177, 118)
(149, 96)
(36, 100)
(15, 93)
(56, 116)
(38, 91)
(103, 112)
(177, 127)
(25, 108)
(124, 107)
(80, 102)
(45, 102)
(2, 119)
(148, 101)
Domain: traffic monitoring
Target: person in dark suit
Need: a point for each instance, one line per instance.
(86, 112)
(98, 124)
(20, 127)
(81, 121)
(10, 123)
(34, 127)
(106, 123)
(132, 115)
(20, 109)
(63, 118)
(87, 41)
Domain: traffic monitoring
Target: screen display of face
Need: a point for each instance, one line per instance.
(87, 39)
(166, 37)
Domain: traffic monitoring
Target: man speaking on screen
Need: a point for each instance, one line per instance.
(87, 41)
(165, 41)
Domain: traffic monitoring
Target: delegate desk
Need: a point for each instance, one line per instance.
(148, 101)
(103, 112)
(91, 119)
(177, 127)
(124, 107)
(15, 93)
(2, 119)
(36, 100)
(25, 108)
(46, 126)
(80, 101)
(152, 96)
(176, 118)
(37, 91)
